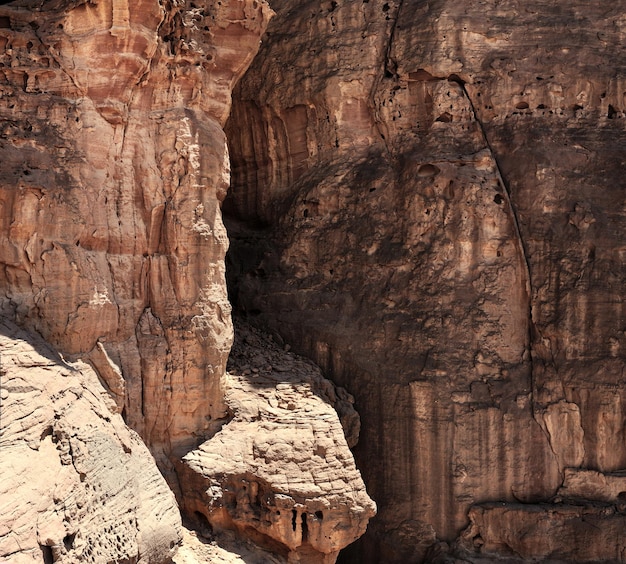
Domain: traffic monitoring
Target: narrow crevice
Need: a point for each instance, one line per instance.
(520, 241)
(389, 70)
(390, 67)
(46, 553)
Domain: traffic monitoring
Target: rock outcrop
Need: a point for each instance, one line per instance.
(114, 164)
(428, 201)
(551, 532)
(280, 471)
(114, 167)
(77, 485)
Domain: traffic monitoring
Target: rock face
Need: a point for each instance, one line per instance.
(428, 201)
(280, 471)
(77, 485)
(556, 533)
(114, 164)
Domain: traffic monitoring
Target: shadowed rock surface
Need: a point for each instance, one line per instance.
(113, 168)
(428, 201)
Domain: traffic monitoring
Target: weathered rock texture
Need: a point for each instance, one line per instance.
(225, 548)
(280, 471)
(556, 533)
(114, 164)
(77, 485)
(428, 200)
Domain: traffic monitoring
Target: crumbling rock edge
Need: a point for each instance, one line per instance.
(280, 472)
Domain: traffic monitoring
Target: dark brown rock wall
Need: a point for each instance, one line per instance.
(438, 203)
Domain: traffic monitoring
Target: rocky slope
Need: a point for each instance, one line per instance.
(428, 201)
(77, 485)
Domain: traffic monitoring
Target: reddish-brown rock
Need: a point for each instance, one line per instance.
(428, 201)
(553, 533)
(114, 166)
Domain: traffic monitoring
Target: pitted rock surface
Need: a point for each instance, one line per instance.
(281, 466)
(77, 484)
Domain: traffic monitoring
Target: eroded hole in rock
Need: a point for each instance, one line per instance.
(305, 529)
(421, 74)
(46, 552)
(68, 541)
(294, 519)
(47, 432)
(427, 170)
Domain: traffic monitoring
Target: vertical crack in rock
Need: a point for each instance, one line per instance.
(388, 69)
(522, 251)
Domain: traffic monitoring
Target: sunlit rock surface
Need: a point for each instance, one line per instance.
(77, 484)
(280, 471)
(114, 164)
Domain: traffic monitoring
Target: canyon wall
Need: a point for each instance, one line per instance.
(428, 200)
(114, 165)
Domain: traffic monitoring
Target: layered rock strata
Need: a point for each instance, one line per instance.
(427, 200)
(552, 533)
(77, 485)
(280, 472)
(114, 164)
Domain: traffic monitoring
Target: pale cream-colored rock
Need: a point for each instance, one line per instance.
(221, 549)
(114, 164)
(77, 485)
(280, 472)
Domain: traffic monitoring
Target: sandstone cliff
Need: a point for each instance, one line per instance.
(115, 165)
(428, 200)
(77, 485)
(113, 168)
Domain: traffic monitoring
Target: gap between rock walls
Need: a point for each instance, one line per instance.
(425, 201)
